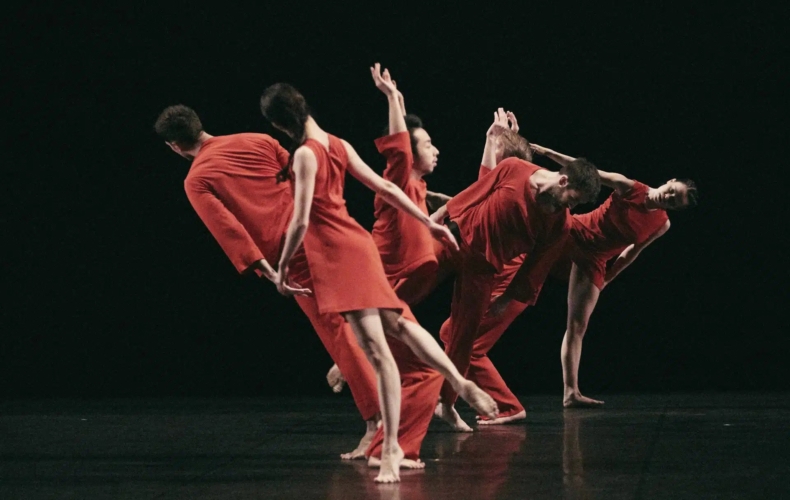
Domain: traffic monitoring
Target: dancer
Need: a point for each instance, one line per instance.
(630, 219)
(518, 209)
(231, 185)
(348, 276)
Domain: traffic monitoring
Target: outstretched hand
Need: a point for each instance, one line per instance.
(383, 81)
(443, 234)
(281, 282)
(502, 121)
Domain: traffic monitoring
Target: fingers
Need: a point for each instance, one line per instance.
(513, 121)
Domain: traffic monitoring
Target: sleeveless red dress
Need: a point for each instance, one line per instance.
(345, 264)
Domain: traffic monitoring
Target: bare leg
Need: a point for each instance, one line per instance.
(447, 413)
(359, 451)
(368, 329)
(335, 379)
(582, 297)
(427, 349)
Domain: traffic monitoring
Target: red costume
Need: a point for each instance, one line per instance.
(407, 250)
(499, 221)
(604, 233)
(596, 237)
(232, 187)
(344, 262)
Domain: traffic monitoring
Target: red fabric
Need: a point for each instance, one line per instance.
(603, 234)
(499, 219)
(420, 385)
(405, 244)
(233, 188)
(344, 262)
(229, 178)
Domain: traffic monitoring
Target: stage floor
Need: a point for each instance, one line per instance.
(640, 446)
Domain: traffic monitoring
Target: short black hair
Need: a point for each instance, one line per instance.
(413, 122)
(691, 193)
(179, 124)
(584, 178)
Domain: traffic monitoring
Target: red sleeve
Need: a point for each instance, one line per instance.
(478, 191)
(636, 194)
(529, 278)
(396, 148)
(483, 172)
(223, 225)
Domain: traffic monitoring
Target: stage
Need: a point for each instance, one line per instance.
(640, 446)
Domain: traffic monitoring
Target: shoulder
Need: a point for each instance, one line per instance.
(305, 153)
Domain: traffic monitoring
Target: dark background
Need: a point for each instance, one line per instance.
(113, 287)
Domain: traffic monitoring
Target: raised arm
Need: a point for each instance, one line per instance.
(630, 254)
(393, 195)
(397, 110)
(551, 154)
(501, 119)
(618, 182)
(304, 168)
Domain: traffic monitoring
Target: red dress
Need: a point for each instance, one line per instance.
(603, 234)
(344, 262)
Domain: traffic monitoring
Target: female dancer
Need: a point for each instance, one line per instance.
(348, 275)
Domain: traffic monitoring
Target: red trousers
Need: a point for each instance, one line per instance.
(475, 281)
(481, 369)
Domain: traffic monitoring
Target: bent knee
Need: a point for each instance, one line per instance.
(577, 327)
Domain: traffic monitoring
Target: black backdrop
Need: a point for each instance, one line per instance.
(114, 287)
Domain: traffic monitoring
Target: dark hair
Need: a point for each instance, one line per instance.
(179, 124)
(513, 145)
(583, 177)
(284, 106)
(691, 193)
(413, 122)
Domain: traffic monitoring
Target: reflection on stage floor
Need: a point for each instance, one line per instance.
(638, 446)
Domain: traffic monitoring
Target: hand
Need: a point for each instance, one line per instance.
(383, 81)
(499, 305)
(443, 234)
(538, 150)
(502, 121)
(281, 282)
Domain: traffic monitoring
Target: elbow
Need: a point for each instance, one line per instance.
(387, 189)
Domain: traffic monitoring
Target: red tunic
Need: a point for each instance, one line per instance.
(604, 233)
(499, 218)
(344, 262)
(233, 189)
(404, 244)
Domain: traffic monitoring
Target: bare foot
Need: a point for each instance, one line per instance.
(335, 379)
(364, 443)
(477, 399)
(504, 420)
(406, 463)
(576, 400)
(449, 415)
(389, 466)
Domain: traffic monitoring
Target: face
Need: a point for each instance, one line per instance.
(177, 149)
(427, 155)
(563, 196)
(672, 195)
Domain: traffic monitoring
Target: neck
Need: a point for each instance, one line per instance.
(650, 202)
(203, 137)
(540, 183)
(311, 129)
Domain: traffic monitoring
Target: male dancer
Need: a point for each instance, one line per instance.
(518, 209)
(232, 187)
